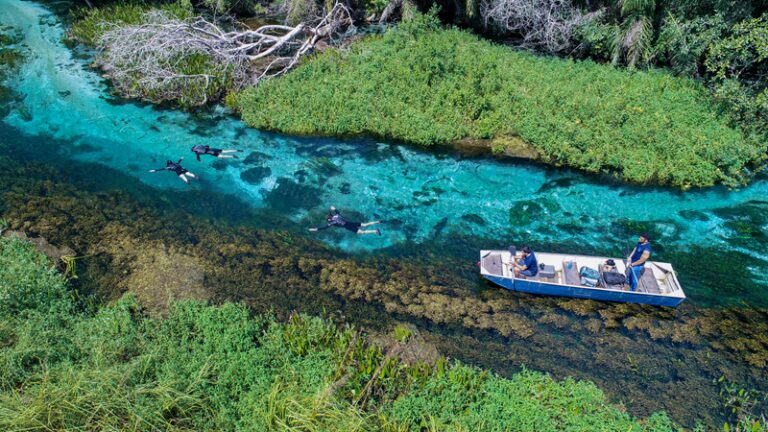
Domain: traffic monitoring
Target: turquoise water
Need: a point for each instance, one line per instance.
(436, 204)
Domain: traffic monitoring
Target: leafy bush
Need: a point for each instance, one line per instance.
(683, 44)
(739, 66)
(427, 86)
(597, 39)
(28, 281)
(743, 54)
(207, 368)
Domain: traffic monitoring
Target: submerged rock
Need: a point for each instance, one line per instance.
(256, 158)
(255, 175)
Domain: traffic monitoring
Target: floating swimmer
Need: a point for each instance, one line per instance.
(335, 218)
(208, 150)
(178, 169)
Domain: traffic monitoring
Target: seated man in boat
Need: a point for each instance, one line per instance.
(636, 260)
(527, 265)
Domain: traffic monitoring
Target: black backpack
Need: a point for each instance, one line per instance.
(614, 278)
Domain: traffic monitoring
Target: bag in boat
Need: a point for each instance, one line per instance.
(589, 276)
(614, 278)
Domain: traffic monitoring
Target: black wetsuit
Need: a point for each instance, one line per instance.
(205, 150)
(175, 167)
(338, 220)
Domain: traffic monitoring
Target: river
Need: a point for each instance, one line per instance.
(442, 206)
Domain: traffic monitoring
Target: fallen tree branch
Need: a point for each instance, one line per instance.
(540, 24)
(170, 59)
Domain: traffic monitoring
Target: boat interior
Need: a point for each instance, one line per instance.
(560, 269)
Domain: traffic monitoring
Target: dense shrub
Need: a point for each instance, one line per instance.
(207, 368)
(28, 281)
(427, 86)
(683, 44)
(744, 53)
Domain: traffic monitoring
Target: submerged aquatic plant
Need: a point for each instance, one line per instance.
(70, 266)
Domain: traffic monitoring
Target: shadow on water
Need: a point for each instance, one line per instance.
(647, 358)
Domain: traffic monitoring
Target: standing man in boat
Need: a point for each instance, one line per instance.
(636, 260)
(335, 218)
(527, 265)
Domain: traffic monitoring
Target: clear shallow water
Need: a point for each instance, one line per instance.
(439, 204)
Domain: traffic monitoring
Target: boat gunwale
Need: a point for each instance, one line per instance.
(678, 293)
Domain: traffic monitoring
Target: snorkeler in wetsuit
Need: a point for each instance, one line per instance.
(178, 169)
(208, 150)
(335, 218)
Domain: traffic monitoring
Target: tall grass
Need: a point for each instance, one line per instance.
(425, 84)
(218, 368)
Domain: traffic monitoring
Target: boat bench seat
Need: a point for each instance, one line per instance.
(571, 275)
(648, 282)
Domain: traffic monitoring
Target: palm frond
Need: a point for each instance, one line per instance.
(637, 7)
(637, 41)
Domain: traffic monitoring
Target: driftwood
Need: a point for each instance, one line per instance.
(389, 10)
(152, 60)
(540, 24)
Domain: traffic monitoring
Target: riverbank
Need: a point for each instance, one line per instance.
(69, 365)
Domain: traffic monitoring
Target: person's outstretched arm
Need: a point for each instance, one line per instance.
(159, 169)
(198, 156)
(179, 162)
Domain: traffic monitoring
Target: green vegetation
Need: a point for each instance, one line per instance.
(427, 85)
(202, 367)
(720, 43)
(91, 23)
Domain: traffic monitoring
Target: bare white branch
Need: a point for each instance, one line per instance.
(163, 58)
(540, 24)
